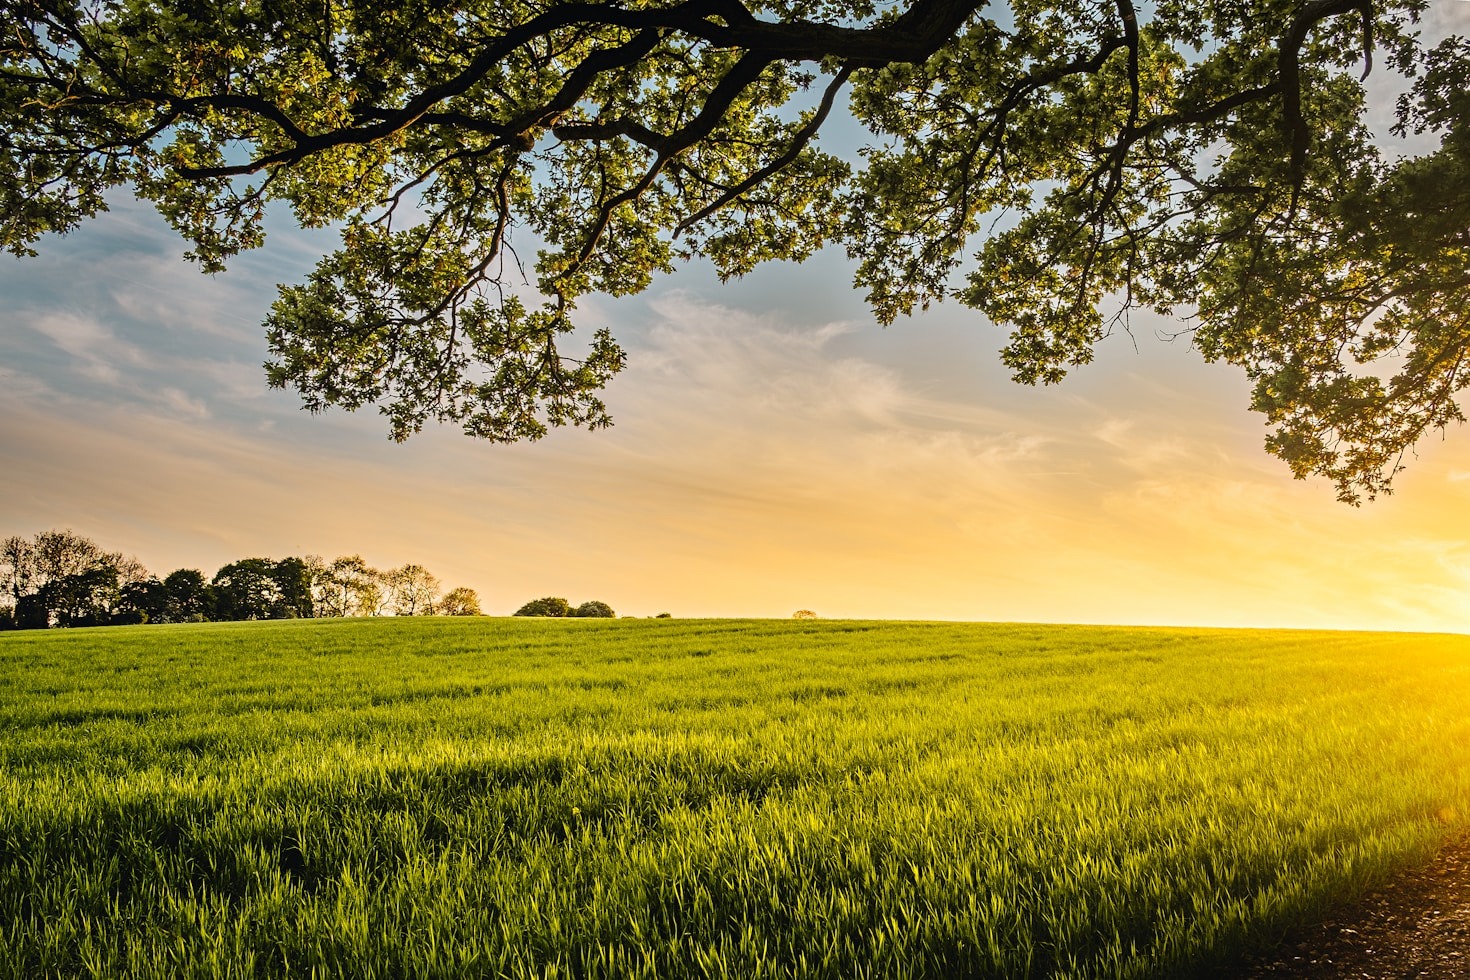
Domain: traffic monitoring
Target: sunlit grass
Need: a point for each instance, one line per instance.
(706, 798)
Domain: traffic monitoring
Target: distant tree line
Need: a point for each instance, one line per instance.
(61, 579)
(554, 606)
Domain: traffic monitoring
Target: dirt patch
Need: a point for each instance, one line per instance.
(1419, 926)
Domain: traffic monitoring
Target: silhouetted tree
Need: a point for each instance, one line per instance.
(29, 566)
(293, 581)
(86, 598)
(323, 588)
(549, 606)
(17, 568)
(58, 554)
(129, 569)
(31, 613)
(412, 590)
(593, 609)
(190, 597)
(351, 587)
(247, 589)
(61, 578)
(259, 588)
(461, 601)
(58, 578)
(143, 602)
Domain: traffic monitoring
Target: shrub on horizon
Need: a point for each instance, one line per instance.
(804, 614)
(594, 609)
(549, 606)
(461, 601)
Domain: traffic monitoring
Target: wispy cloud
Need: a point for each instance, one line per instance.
(96, 352)
(761, 462)
(183, 405)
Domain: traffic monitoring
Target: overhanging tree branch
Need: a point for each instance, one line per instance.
(1219, 165)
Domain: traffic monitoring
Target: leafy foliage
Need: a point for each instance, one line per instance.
(594, 609)
(1212, 159)
(189, 597)
(85, 598)
(549, 606)
(259, 588)
(349, 586)
(460, 601)
(412, 590)
(59, 578)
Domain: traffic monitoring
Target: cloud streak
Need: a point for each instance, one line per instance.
(761, 462)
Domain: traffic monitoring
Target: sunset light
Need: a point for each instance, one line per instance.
(773, 449)
(735, 489)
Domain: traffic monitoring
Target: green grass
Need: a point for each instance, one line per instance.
(458, 798)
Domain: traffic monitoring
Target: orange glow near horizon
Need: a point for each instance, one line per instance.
(761, 465)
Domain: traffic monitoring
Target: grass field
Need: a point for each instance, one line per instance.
(672, 798)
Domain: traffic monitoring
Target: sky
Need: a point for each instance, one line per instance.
(774, 449)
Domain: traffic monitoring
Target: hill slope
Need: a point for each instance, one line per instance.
(494, 797)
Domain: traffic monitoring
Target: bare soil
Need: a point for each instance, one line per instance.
(1418, 926)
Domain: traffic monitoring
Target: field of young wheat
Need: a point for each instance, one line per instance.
(681, 798)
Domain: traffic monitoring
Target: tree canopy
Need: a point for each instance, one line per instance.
(548, 606)
(460, 601)
(60, 578)
(1054, 164)
(594, 609)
